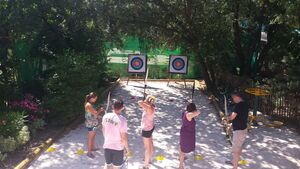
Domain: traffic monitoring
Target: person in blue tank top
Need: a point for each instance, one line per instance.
(91, 120)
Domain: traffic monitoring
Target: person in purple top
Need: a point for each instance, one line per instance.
(187, 132)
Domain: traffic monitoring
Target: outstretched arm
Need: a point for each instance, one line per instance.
(191, 115)
(145, 105)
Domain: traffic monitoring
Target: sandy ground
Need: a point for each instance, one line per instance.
(265, 148)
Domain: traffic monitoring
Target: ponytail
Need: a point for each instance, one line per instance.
(89, 96)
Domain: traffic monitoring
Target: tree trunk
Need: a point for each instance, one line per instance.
(4, 43)
(237, 37)
(205, 73)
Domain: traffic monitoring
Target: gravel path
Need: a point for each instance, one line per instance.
(266, 148)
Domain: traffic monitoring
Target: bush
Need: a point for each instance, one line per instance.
(12, 123)
(23, 136)
(2, 157)
(7, 144)
(74, 76)
(13, 131)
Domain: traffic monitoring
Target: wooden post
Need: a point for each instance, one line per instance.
(170, 76)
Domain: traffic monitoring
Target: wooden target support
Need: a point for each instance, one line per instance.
(177, 79)
(135, 77)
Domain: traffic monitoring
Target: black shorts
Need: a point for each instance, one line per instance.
(92, 128)
(147, 134)
(114, 157)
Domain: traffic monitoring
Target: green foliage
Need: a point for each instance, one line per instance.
(75, 75)
(12, 123)
(14, 132)
(23, 136)
(2, 156)
(36, 125)
(7, 144)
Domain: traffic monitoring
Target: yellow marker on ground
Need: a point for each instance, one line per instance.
(51, 149)
(130, 154)
(243, 162)
(160, 157)
(80, 152)
(277, 124)
(198, 157)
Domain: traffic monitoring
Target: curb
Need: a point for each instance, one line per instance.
(37, 151)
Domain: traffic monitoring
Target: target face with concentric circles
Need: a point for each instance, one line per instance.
(178, 64)
(137, 63)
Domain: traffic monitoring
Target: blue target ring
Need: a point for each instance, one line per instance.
(178, 64)
(136, 63)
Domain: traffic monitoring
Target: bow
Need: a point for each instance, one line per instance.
(193, 91)
(107, 103)
(146, 78)
(225, 105)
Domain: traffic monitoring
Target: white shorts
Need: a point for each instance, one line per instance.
(238, 139)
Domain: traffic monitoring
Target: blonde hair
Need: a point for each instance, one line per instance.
(150, 99)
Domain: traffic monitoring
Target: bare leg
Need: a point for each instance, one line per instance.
(147, 151)
(107, 167)
(181, 159)
(151, 149)
(91, 138)
(235, 160)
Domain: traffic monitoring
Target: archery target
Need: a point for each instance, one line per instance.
(137, 63)
(178, 64)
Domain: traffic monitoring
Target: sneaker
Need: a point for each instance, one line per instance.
(229, 162)
(96, 149)
(90, 155)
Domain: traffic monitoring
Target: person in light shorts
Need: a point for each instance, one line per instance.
(239, 118)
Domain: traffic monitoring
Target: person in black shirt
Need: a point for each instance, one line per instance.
(239, 118)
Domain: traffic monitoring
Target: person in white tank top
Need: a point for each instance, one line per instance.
(147, 124)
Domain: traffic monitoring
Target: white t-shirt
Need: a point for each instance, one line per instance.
(113, 125)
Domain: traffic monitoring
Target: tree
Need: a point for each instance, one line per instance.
(199, 27)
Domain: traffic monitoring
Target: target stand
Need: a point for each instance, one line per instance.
(177, 79)
(137, 64)
(178, 65)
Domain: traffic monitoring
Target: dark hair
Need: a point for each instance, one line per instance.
(191, 107)
(89, 96)
(238, 93)
(118, 104)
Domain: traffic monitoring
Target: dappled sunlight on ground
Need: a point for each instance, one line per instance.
(264, 148)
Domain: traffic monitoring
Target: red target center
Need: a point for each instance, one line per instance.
(178, 64)
(136, 63)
